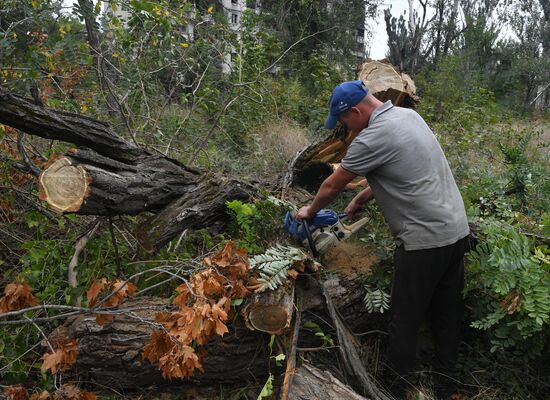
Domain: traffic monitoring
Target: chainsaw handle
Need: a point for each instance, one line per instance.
(344, 215)
(310, 239)
(352, 228)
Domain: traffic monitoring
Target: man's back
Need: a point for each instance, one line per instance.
(410, 178)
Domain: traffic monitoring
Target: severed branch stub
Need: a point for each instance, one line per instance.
(271, 311)
(64, 185)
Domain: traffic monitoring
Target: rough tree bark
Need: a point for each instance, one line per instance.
(312, 383)
(111, 354)
(108, 175)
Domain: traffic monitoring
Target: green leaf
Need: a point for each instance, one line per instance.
(267, 390)
(311, 325)
(237, 302)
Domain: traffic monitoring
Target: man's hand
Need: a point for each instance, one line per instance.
(304, 213)
(352, 208)
(358, 201)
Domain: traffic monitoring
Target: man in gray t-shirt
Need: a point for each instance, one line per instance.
(412, 183)
(410, 178)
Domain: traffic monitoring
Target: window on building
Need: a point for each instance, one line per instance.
(234, 18)
(234, 2)
(361, 32)
(251, 4)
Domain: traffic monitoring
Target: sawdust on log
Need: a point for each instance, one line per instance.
(350, 258)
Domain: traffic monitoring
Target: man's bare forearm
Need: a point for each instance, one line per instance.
(364, 195)
(328, 191)
(326, 195)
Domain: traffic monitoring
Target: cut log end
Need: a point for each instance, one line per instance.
(64, 185)
(269, 318)
(271, 311)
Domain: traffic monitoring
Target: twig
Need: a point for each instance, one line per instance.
(23, 152)
(49, 345)
(43, 307)
(371, 332)
(540, 94)
(115, 245)
(80, 310)
(291, 357)
(352, 361)
(79, 247)
(211, 130)
(5, 367)
(179, 240)
(284, 54)
(320, 348)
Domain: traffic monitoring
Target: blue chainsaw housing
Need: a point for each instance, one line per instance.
(322, 219)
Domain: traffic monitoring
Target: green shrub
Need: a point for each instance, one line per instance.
(508, 286)
(257, 225)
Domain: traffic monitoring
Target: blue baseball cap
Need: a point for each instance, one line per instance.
(344, 96)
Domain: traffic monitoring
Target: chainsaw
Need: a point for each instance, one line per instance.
(323, 231)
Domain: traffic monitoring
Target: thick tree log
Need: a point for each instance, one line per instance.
(25, 115)
(122, 177)
(271, 311)
(312, 383)
(203, 205)
(108, 175)
(88, 183)
(112, 354)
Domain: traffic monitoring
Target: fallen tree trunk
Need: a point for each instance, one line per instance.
(112, 354)
(312, 383)
(108, 175)
(202, 206)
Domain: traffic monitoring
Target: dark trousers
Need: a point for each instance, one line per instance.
(427, 283)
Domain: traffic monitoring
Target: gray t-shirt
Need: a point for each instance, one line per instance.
(410, 178)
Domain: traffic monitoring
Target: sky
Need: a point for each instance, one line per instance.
(379, 42)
